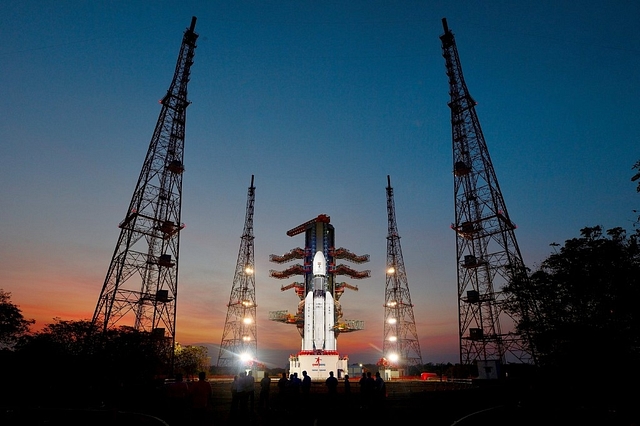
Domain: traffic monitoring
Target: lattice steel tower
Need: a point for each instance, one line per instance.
(239, 344)
(401, 346)
(141, 286)
(487, 252)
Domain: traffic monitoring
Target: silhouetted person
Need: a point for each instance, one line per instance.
(362, 382)
(332, 384)
(370, 385)
(363, 390)
(294, 389)
(177, 398)
(236, 389)
(282, 384)
(249, 388)
(380, 390)
(243, 395)
(305, 389)
(265, 388)
(201, 396)
(347, 385)
(297, 380)
(306, 383)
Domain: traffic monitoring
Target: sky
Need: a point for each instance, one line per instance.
(320, 101)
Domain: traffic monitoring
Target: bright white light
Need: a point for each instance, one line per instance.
(391, 270)
(245, 357)
(392, 320)
(248, 270)
(247, 320)
(392, 303)
(247, 303)
(394, 358)
(393, 338)
(246, 338)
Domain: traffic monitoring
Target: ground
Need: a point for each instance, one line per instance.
(407, 402)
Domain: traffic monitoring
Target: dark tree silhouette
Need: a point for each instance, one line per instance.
(13, 325)
(87, 368)
(635, 178)
(583, 316)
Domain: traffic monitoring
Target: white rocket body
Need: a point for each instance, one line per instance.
(307, 338)
(329, 334)
(318, 310)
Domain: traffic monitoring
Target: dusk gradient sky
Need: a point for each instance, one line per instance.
(320, 100)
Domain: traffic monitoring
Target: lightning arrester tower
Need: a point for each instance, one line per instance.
(239, 338)
(401, 347)
(141, 286)
(487, 252)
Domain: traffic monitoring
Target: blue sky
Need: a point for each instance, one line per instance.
(320, 101)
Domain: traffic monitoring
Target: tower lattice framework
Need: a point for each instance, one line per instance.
(240, 337)
(487, 252)
(400, 335)
(141, 286)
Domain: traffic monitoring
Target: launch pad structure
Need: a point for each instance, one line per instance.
(319, 314)
(141, 285)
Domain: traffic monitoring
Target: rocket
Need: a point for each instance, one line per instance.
(318, 310)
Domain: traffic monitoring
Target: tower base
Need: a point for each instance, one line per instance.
(318, 364)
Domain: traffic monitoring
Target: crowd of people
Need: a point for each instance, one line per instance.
(189, 402)
(373, 391)
(192, 402)
(295, 391)
(243, 393)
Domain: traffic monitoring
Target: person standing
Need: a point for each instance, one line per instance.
(370, 385)
(347, 385)
(305, 388)
(363, 390)
(250, 389)
(380, 390)
(236, 389)
(177, 398)
(283, 385)
(294, 388)
(306, 383)
(332, 385)
(265, 388)
(201, 399)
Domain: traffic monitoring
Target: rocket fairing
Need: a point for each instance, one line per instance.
(318, 310)
(319, 265)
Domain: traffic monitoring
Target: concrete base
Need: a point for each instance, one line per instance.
(318, 364)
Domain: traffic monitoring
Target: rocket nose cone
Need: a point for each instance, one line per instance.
(319, 264)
